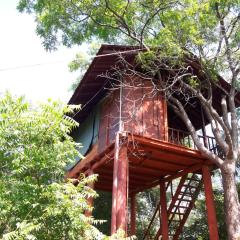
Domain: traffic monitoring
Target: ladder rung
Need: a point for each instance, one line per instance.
(176, 213)
(185, 200)
(189, 186)
(182, 206)
(179, 206)
(193, 179)
(186, 194)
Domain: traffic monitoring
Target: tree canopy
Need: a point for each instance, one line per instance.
(169, 32)
(173, 25)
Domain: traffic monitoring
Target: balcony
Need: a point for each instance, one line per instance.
(183, 138)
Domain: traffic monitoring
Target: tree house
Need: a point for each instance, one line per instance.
(133, 140)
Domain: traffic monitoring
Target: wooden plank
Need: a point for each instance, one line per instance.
(184, 151)
(165, 117)
(165, 155)
(74, 172)
(122, 189)
(142, 170)
(100, 163)
(164, 166)
(115, 186)
(191, 169)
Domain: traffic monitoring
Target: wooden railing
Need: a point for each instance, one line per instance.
(184, 138)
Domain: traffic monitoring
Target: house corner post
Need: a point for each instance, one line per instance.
(115, 185)
(210, 206)
(122, 189)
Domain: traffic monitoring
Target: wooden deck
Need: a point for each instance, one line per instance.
(148, 160)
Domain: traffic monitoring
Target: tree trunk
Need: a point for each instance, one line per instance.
(231, 200)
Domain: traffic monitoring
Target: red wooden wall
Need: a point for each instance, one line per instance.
(144, 109)
(144, 112)
(109, 120)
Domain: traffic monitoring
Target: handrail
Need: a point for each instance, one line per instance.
(184, 138)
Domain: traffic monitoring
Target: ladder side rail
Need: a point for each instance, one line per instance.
(185, 217)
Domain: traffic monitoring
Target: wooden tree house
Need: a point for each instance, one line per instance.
(134, 141)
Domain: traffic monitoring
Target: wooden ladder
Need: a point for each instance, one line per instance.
(180, 207)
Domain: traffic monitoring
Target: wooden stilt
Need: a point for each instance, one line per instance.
(133, 214)
(122, 189)
(164, 216)
(211, 213)
(114, 188)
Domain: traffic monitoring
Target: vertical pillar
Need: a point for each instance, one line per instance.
(133, 214)
(211, 213)
(164, 215)
(122, 189)
(90, 199)
(115, 184)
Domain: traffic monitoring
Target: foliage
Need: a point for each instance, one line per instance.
(35, 202)
(173, 25)
(102, 210)
(197, 227)
(146, 203)
(81, 62)
(175, 36)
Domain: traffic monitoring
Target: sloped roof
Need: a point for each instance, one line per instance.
(92, 87)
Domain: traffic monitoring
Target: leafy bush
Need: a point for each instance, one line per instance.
(35, 201)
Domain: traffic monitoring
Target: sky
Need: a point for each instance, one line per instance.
(20, 48)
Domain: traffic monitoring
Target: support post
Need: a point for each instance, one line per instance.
(211, 213)
(133, 214)
(164, 215)
(115, 185)
(122, 189)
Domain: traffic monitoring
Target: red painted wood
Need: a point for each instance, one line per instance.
(191, 169)
(143, 108)
(165, 120)
(109, 120)
(164, 215)
(122, 189)
(133, 214)
(115, 186)
(131, 108)
(211, 213)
